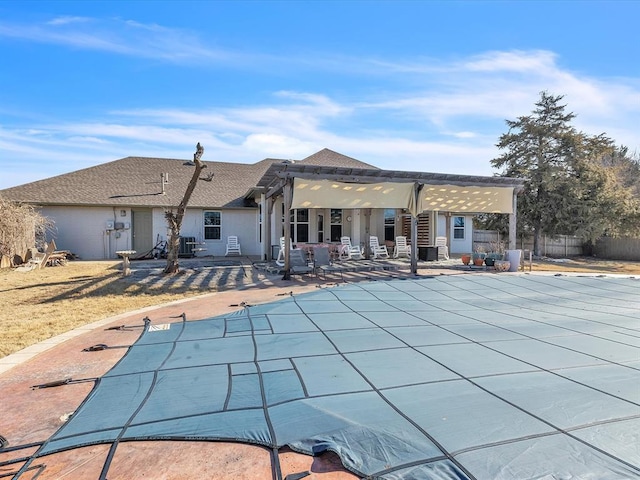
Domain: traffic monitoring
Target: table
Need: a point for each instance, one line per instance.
(195, 249)
(126, 263)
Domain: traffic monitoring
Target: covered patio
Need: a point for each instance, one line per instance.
(314, 187)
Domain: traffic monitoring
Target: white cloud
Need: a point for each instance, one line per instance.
(120, 37)
(464, 134)
(435, 115)
(537, 62)
(67, 19)
(278, 146)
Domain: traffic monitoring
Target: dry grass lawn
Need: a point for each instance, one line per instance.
(40, 304)
(43, 303)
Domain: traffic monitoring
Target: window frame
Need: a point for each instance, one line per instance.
(335, 213)
(300, 224)
(459, 228)
(389, 224)
(212, 226)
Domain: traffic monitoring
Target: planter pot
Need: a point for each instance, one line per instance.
(489, 261)
(502, 265)
(466, 259)
(478, 261)
(513, 256)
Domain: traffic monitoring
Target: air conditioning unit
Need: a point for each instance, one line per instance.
(187, 244)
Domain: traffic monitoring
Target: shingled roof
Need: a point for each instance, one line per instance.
(136, 181)
(329, 158)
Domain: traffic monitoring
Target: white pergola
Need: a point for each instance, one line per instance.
(312, 186)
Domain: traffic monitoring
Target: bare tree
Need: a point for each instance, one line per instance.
(21, 228)
(174, 219)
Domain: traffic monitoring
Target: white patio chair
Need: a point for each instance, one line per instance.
(233, 246)
(280, 259)
(348, 251)
(443, 250)
(377, 250)
(401, 248)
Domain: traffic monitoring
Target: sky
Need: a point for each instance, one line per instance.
(406, 85)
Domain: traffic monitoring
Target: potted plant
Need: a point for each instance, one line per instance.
(491, 258)
(466, 258)
(496, 253)
(478, 256)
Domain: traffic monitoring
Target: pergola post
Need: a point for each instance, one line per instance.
(447, 227)
(367, 232)
(417, 188)
(512, 221)
(414, 244)
(267, 208)
(288, 198)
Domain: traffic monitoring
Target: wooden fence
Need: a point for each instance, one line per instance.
(624, 248)
(559, 247)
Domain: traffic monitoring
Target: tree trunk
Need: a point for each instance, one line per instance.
(174, 219)
(536, 242)
(173, 244)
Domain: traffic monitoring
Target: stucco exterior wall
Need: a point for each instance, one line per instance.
(89, 232)
(457, 245)
(84, 230)
(241, 223)
(244, 225)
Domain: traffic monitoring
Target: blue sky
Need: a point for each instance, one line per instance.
(421, 86)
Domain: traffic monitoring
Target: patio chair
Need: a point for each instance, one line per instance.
(401, 248)
(280, 259)
(233, 246)
(298, 263)
(322, 262)
(348, 251)
(377, 250)
(443, 250)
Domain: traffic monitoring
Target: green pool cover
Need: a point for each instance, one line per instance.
(452, 377)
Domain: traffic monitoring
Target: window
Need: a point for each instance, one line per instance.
(320, 228)
(389, 224)
(336, 224)
(300, 225)
(212, 228)
(458, 228)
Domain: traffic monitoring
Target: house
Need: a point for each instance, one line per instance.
(120, 205)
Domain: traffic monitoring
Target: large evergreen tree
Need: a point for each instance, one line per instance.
(576, 184)
(537, 147)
